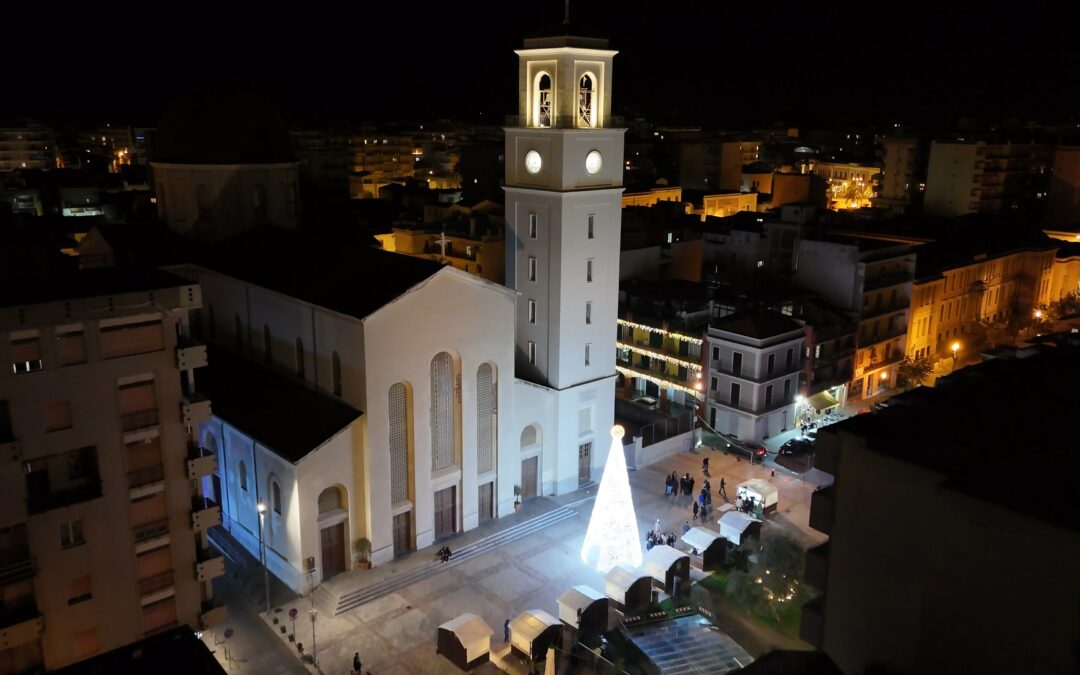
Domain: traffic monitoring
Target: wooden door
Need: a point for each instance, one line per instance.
(445, 512)
(402, 533)
(487, 501)
(584, 464)
(528, 478)
(333, 550)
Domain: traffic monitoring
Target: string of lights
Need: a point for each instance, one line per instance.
(658, 381)
(658, 355)
(654, 329)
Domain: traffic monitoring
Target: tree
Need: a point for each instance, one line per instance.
(774, 579)
(914, 372)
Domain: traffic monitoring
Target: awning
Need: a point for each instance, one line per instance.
(822, 401)
(700, 538)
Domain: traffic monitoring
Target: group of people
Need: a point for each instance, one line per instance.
(655, 538)
(676, 485)
(443, 554)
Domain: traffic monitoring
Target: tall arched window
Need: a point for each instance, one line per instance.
(399, 442)
(443, 411)
(275, 496)
(238, 333)
(300, 358)
(543, 100)
(335, 373)
(258, 203)
(586, 100)
(242, 472)
(268, 355)
(485, 418)
(330, 500)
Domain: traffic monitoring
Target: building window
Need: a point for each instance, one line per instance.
(57, 415)
(26, 355)
(532, 269)
(532, 311)
(485, 418)
(715, 353)
(62, 480)
(71, 534)
(588, 353)
(532, 226)
(300, 358)
(817, 351)
(735, 391)
(335, 373)
(275, 496)
(736, 363)
(591, 230)
(760, 263)
(79, 590)
(588, 271)
(787, 391)
(768, 396)
(588, 313)
(443, 411)
(399, 442)
(242, 471)
(532, 353)
(268, 355)
(771, 363)
(71, 348)
(713, 384)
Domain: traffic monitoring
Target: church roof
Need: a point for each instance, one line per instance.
(341, 274)
(564, 35)
(279, 412)
(222, 126)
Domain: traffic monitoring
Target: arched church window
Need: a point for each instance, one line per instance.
(485, 418)
(399, 442)
(586, 100)
(443, 411)
(242, 471)
(543, 101)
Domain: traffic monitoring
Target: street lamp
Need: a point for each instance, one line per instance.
(955, 348)
(314, 614)
(261, 508)
(1038, 314)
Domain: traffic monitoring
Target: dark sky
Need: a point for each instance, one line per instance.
(714, 62)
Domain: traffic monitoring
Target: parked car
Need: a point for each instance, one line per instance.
(796, 446)
(748, 448)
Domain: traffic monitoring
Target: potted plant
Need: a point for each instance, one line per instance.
(363, 550)
(517, 497)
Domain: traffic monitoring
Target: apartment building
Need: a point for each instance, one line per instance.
(27, 147)
(985, 177)
(903, 173)
(103, 524)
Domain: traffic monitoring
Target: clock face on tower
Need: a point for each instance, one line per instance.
(593, 162)
(533, 161)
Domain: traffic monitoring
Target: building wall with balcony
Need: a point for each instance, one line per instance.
(89, 469)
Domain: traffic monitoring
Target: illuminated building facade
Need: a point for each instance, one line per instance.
(661, 364)
(851, 186)
(653, 197)
(728, 204)
(103, 525)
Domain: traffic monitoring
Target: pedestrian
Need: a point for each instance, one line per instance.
(356, 666)
(691, 490)
(723, 490)
(684, 482)
(506, 631)
(686, 527)
(705, 466)
(656, 528)
(696, 507)
(706, 486)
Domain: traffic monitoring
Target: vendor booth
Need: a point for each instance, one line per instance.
(664, 563)
(584, 608)
(628, 588)
(465, 641)
(710, 546)
(533, 631)
(760, 493)
(736, 526)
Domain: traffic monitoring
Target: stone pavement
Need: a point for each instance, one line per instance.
(396, 633)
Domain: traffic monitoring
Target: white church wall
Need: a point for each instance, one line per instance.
(331, 465)
(535, 405)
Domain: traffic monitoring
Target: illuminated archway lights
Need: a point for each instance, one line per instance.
(612, 538)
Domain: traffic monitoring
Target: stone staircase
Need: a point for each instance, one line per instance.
(325, 598)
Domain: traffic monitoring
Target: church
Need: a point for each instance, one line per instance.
(367, 404)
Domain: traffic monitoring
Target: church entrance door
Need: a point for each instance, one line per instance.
(528, 478)
(402, 533)
(584, 464)
(333, 550)
(445, 512)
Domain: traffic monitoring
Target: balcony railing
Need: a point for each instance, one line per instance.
(148, 531)
(563, 122)
(20, 624)
(778, 403)
(744, 373)
(20, 570)
(40, 501)
(155, 583)
(139, 420)
(887, 361)
(147, 476)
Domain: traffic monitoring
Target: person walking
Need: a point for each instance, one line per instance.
(356, 665)
(723, 490)
(686, 527)
(506, 631)
(696, 507)
(705, 466)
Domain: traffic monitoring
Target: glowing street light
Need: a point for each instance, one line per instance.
(1038, 314)
(955, 348)
(261, 508)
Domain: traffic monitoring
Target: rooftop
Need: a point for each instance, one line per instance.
(950, 429)
(758, 326)
(344, 275)
(280, 412)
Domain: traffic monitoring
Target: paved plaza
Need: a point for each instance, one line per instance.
(396, 632)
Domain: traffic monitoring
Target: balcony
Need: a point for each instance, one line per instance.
(19, 625)
(874, 364)
(745, 374)
(156, 587)
(210, 566)
(212, 613)
(148, 476)
(823, 509)
(205, 513)
(143, 419)
(148, 533)
(195, 410)
(41, 501)
(189, 355)
(744, 407)
(879, 281)
(200, 463)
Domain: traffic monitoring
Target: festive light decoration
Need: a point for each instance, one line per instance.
(657, 355)
(654, 329)
(631, 372)
(613, 529)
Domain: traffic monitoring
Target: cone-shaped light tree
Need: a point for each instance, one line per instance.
(612, 538)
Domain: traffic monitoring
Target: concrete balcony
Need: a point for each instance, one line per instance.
(210, 566)
(20, 625)
(149, 536)
(19, 570)
(147, 476)
(195, 410)
(156, 588)
(213, 614)
(205, 514)
(137, 421)
(190, 356)
(200, 463)
(823, 509)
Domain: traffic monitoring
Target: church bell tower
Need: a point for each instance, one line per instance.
(564, 166)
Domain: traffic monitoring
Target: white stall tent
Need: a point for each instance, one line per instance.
(758, 489)
(577, 599)
(700, 538)
(733, 524)
(620, 580)
(473, 633)
(528, 626)
(659, 560)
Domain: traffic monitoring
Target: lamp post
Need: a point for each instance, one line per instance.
(955, 348)
(314, 614)
(261, 508)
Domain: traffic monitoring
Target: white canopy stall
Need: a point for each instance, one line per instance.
(533, 631)
(734, 525)
(465, 641)
(584, 608)
(629, 588)
(711, 547)
(760, 491)
(664, 563)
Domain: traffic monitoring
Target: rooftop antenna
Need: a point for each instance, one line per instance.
(566, 14)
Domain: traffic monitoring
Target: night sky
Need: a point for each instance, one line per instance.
(709, 62)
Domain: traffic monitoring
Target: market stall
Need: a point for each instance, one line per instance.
(584, 608)
(710, 546)
(628, 588)
(533, 631)
(664, 564)
(760, 493)
(465, 641)
(736, 526)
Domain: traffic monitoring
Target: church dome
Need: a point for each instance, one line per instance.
(222, 126)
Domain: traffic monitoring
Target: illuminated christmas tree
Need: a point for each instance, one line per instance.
(613, 528)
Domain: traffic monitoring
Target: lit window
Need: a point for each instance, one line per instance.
(532, 311)
(532, 269)
(71, 534)
(532, 353)
(760, 264)
(532, 226)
